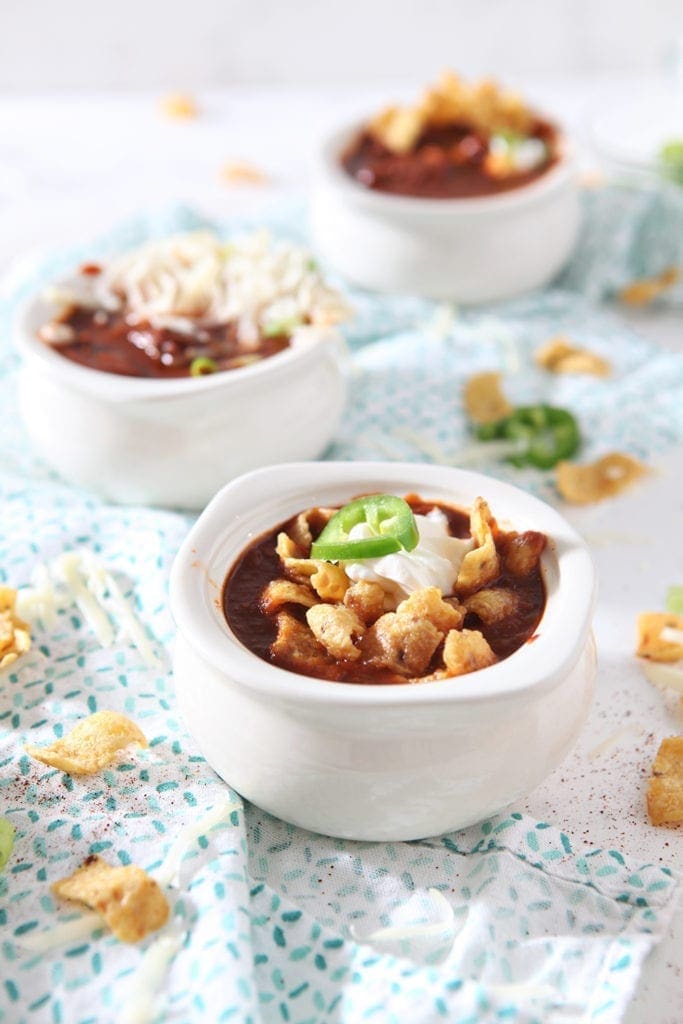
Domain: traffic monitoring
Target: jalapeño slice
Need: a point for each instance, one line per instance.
(546, 435)
(392, 523)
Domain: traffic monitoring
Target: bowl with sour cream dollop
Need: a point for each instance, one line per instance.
(355, 673)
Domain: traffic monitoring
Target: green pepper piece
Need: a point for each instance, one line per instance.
(282, 328)
(390, 518)
(490, 431)
(671, 157)
(6, 840)
(202, 366)
(674, 600)
(550, 435)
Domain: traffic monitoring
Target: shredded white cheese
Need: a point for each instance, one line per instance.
(424, 445)
(530, 992)
(414, 936)
(167, 873)
(69, 568)
(613, 740)
(131, 627)
(78, 578)
(141, 1006)
(40, 601)
(193, 281)
(665, 675)
(411, 931)
(486, 451)
(61, 933)
(443, 320)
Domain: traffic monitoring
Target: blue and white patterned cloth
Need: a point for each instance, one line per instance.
(506, 921)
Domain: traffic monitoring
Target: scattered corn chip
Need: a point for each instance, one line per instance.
(481, 565)
(336, 628)
(129, 900)
(559, 356)
(366, 599)
(330, 581)
(297, 649)
(494, 605)
(647, 289)
(398, 128)
(484, 399)
(483, 106)
(668, 676)
(595, 481)
(286, 547)
(280, 592)
(91, 745)
(466, 650)
(428, 604)
(15, 634)
(665, 789)
(180, 106)
(592, 178)
(401, 644)
(653, 642)
(239, 172)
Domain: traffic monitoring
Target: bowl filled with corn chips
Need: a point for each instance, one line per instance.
(466, 195)
(384, 704)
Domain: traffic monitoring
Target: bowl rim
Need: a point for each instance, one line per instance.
(114, 387)
(534, 668)
(329, 167)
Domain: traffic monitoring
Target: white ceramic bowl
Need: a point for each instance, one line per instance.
(369, 761)
(175, 442)
(466, 250)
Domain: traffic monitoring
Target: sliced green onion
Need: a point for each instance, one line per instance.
(278, 328)
(509, 137)
(674, 600)
(202, 366)
(390, 520)
(6, 840)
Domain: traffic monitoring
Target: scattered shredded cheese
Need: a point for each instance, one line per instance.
(424, 444)
(613, 740)
(404, 933)
(68, 566)
(488, 451)
(141, 1006)
(78, 578)
(530, 992)
(62, 933)
(196, 280)
(441, 324)
(132, 628)
(665, 675)
(167, 873)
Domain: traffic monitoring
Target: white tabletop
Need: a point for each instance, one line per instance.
(71, 166)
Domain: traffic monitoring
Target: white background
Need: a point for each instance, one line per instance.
(129, 44)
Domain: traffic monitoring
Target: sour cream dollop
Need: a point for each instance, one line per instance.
(435, 562)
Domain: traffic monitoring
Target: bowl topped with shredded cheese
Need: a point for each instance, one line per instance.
(190, 305)
(125, 389)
